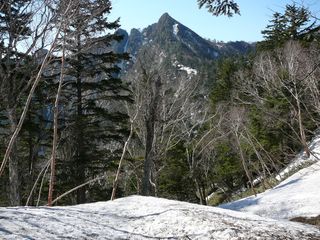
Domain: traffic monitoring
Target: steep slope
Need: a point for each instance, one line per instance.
(297, 196)
(144, 218)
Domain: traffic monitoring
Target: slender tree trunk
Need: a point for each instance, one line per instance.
(77, 187)
(244, 164)
(147, 180)
(115, 182)
(301, 129)
(201, 191)
(149, 160)
(14, 178)
(55, 132)
(26, 108)
(80, 154)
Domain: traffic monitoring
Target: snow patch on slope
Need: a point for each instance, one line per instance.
(302, 159)
(296, 196)
(141, 218)
(190, 71)
(175, 28)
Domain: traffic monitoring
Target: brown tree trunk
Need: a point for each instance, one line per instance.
(244, 164)
(151, 118)
(149, 159)
(14, 178)
(301, 129)
(55, 132)
(201, 192)
(124, 150)
(80, 154)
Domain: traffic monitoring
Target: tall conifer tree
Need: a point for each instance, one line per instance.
(92, 92)
(14, 74)
(294, 24)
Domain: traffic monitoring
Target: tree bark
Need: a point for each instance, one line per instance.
(14, 179)
(55, 131)
(116, 179)
(301, 128)
(80, 154)
(244, 164)
(18, 127)
(147, 180)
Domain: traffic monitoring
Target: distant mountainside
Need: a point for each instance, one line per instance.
(177, 43)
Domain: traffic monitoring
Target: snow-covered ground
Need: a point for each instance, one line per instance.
(139, 217)
(298, 195)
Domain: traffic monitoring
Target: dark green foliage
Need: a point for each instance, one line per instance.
(220, 7)
(294, 24)
(16, 69)
(227, 172)
(93, 116)
(223, 85)
(175, 181)
(274, 33)
(268, 128)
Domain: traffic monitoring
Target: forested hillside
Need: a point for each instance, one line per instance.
(89, 112)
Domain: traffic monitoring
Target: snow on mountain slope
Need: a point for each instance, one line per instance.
(139, 217)
(301, 158)
(298, 195)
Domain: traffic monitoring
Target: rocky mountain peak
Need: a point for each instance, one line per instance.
(166, 18)
(175, 39)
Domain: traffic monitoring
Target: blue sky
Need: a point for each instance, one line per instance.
(254, 16)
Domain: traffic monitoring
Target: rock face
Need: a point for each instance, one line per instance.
(139, 217)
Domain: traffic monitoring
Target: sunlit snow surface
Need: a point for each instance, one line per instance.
(139, 217)
(298, 195)
(175, 28)
(190, 71)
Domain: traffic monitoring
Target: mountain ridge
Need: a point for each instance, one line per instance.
(176, 38)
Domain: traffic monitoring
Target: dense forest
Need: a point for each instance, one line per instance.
(79, 124)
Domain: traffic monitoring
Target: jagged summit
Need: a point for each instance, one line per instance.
(176, 42)
(176, 39)
(166, 17)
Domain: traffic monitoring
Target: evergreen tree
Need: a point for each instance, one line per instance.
(92, 91)
(220, 7)
(14, 75)
(297, 19)
(274, 32)
(294, 24)
(223, 84)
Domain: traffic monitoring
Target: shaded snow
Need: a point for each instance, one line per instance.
(139, 217)
(296, 196)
